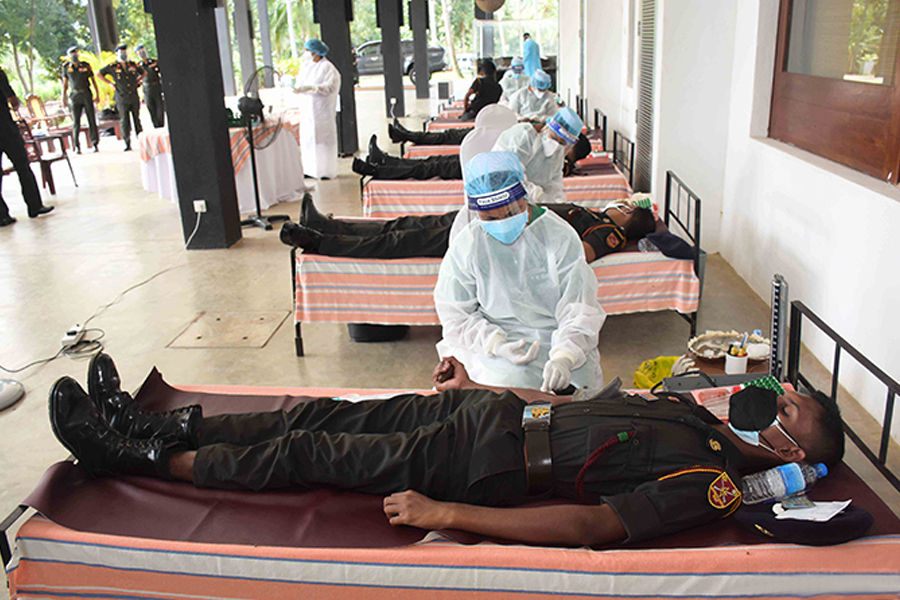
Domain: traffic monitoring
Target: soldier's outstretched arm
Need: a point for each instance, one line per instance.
(563, 524)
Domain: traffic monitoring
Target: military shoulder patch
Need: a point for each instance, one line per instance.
(723, 492)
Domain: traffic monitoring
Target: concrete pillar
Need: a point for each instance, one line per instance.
(224, 35)
(265, 40)
(418, 21)
(334, 24)
(390, 17)
(243, 31)
(201, 150)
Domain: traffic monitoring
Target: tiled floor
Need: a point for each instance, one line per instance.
(108, 233)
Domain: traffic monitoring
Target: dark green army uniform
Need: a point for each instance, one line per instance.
(81, 100)
(659, 464)
(152, 88)
(126, 75)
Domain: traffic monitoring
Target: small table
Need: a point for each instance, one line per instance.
(279, 165)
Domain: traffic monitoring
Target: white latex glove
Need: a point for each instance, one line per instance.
(516, 352)
(303, 89)
(557, 373)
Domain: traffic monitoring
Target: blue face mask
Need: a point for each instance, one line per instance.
(506, 230)
(752, 437)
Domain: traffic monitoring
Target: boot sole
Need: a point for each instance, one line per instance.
(54, 425)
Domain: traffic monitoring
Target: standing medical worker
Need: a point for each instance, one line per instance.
(516, 299)
(531, 55)
(318, 83)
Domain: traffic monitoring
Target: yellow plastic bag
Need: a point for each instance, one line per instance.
(653, 371)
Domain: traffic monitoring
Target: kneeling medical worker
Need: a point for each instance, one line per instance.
(516, 299)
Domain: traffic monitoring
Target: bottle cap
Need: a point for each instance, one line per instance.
(821, 470)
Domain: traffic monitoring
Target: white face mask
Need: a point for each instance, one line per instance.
(550, 146)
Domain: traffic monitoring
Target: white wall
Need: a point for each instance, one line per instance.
(693, 101)
(569, 50)
(768, 208)
(829, 230)
(606, 68)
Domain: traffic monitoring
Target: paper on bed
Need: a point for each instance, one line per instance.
(821, 512)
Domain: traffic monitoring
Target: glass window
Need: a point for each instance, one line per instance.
(854, 40)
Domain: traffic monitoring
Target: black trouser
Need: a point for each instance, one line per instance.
(82, 102)
(448, 137)
(13, 146)
(425, 443)
(155, 105)
(442, 167)
(130, 105)
(406, 237)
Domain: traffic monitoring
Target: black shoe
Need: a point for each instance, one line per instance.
(96, 148)
(7, 220)
(363, 168)
(311, 217)
(100, 450)
(77, 149)
(299, 236)
(43, 210)
(128, 146)
(376, 155)
(119, 411)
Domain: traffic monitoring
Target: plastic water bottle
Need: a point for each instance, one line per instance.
(782, 481)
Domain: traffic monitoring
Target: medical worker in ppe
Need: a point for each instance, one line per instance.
(514, 79)
(531, 54)
(516, 299)
(535, 101)
(543, 152)
(318, 83)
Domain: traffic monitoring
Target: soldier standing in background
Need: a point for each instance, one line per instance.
(79, 75)
(152, 87)
(125, 75)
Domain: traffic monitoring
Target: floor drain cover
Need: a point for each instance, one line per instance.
(229, 330)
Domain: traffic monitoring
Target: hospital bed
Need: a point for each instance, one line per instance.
(136, 538)
(400, 291)
(601, 179)
(597, 136)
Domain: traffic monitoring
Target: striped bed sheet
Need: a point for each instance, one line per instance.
(400, 292)
(52, 561)
(384, 199)
(416, 151)
(443, 123)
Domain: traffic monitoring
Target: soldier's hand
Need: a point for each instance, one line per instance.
(414, 509)
(450, 374)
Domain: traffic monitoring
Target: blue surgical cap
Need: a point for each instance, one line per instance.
(316, 46)
(517, 63)
(540, 80)
(494, 179)
(566, 124)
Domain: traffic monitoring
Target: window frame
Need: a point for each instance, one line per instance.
(853, 123)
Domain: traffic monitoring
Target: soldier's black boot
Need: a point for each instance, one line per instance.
(310, 215)
(100, 450)
(119, 411)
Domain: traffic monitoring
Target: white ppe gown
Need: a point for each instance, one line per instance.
(541, 171)
(530, 105)
(538, 288)
(318, 124)
(511, 84)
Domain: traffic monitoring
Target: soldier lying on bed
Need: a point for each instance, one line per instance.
(464, 458)
(601, 232)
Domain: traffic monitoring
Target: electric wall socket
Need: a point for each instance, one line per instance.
(199, 206)
(73, 335)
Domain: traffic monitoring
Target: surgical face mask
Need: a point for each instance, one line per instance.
(506, 230)
(549, 145)
(73, 56)
(122, 56)
(143, 54)
(753, 410)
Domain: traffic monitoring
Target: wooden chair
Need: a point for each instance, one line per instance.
(44, 158)
(37, 114)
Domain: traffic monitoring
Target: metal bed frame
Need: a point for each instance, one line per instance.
(600, 124)
(683, 206)
(623, 155)
(878, 457)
